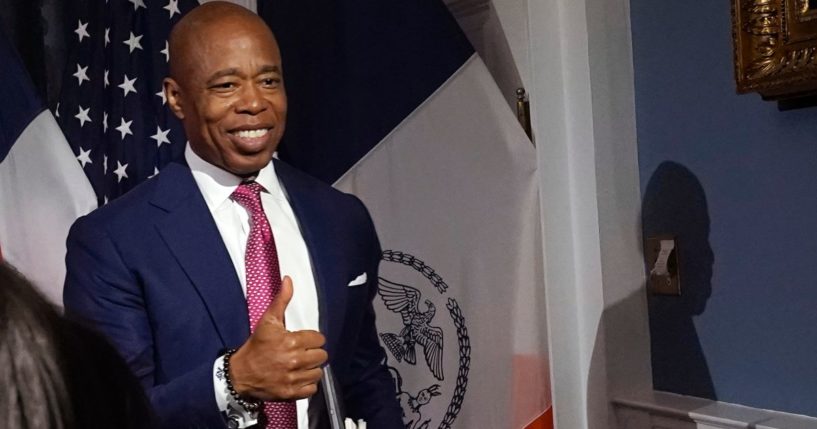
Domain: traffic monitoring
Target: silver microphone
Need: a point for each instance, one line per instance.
(331, 397)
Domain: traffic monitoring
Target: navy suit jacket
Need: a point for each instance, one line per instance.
(150, 271)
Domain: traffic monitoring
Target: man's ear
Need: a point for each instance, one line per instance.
(174, 99)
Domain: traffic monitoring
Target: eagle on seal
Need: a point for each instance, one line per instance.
(404, 299)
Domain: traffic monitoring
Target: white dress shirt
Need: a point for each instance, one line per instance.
(233, 222)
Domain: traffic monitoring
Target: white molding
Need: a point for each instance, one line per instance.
(552, 128)
(583, 112)
(671, 411)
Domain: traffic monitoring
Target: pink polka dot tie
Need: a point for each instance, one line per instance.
(263, 283)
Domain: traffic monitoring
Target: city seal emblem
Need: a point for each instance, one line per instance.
(423, 347)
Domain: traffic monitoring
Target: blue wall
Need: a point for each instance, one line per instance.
(736, 179)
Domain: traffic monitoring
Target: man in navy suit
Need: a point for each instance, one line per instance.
(164, 271)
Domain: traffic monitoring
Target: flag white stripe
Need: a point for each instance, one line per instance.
(455, 186)
(43, 190)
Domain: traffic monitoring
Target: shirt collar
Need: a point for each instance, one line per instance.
(216, 184)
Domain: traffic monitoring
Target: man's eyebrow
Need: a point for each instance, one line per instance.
(222, 73)
(269, 68)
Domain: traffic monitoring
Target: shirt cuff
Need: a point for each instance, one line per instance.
(226, 402)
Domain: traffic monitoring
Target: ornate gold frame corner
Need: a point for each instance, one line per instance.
(775, 47)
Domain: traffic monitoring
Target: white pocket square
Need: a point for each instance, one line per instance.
(359, 280)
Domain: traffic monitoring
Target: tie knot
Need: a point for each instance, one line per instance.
(248, 194)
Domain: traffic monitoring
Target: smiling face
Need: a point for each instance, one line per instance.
(227, 87)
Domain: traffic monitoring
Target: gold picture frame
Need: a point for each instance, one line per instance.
(775, 44)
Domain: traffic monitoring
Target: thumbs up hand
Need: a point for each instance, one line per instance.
(275, 364)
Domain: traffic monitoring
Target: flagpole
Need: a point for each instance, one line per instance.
(523, 112)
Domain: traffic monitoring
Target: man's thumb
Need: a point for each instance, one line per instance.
(279, 305)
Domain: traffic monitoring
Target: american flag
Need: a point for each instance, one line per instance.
(112, 106)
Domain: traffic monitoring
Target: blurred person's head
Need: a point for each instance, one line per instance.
(55, 373)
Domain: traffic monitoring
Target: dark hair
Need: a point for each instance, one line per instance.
(55, 373)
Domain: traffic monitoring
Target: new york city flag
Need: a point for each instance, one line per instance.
(389, 101)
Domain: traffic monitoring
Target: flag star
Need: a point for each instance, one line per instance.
(105, 78)
(124, 128)
(105, 122)
(82, 30)
(105, 164)
(173, 7)
(107, 36)
(81, 74)
(166, 51)
(160, 136)
(127, 86)
(161, 94)
(137, 4)
(155, 172)
(84, 157)
(57, 110)
(83, 116)
(120, 172)
(106, 200)
(133, 42)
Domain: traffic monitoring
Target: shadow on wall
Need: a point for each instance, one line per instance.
(675, 203)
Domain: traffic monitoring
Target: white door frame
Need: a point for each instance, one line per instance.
(583, 112)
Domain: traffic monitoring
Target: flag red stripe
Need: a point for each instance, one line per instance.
(545, 421)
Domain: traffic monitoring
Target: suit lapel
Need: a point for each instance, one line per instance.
(190, 232)
(314, 218)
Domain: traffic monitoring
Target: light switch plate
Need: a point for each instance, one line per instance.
(660, 281)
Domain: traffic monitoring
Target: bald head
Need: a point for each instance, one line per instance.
(226, 86)
(209, 20)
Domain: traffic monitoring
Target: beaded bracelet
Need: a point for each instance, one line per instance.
(249, 405)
